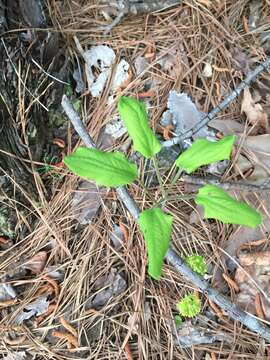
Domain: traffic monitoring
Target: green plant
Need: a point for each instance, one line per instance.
(113, 169)
(197, 263)
(189, 306)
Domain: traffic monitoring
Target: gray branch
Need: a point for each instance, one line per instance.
(225, 103)
(228, 185)
(223, 302)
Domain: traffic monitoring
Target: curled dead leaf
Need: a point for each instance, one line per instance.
(37, 263)
(254, 112)
(253, 277)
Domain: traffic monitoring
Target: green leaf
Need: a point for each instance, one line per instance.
(221, 206)
(203, 152)
(106, 168)
(178, 321)
(135, 118)
(156, 227)
(197, 263)
(189, 306)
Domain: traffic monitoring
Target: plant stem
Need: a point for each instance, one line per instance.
(179, 264)
(155, 163)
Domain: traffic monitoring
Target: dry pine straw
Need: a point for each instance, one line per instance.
(86, 254)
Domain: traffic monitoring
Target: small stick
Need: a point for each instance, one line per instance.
(179, 264)
(228, 185)
(225, 103)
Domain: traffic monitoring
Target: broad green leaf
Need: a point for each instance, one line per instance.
(221, 206)
(135, 118)
(105, 168)
(189, 306)
(156, 227)
(203, 152)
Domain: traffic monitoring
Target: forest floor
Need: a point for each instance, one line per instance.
(73, 262)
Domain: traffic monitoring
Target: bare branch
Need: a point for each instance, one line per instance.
(232, 310)
(228, 185)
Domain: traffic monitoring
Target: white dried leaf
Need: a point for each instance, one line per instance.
(121, 74)
(36, 308)
(101, 58)
(140, 64)
(115, 128)
(86, 202)
(7, 292)
(19, 355)
(207, 70)
(183, 114)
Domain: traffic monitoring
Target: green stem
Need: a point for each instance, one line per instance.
(176, 198)
(155, 163)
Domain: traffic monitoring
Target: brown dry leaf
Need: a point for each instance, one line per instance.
(244, 235)
(254, 112)
(253, 277)
(257, 156)
(37, 263)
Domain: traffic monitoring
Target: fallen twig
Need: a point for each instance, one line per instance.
(223, 302)
(233, 95)
(228, 185)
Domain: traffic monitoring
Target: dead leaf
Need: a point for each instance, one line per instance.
(7, 292)
(18, 355)
(183, 114)
(254, 112)
(37, 263)
(36, 308)
(257, 156)
(254, 269)
(86, 202)
(240, 60)
(244, 235)
(107, 286)
(189, 335)
(99, 62)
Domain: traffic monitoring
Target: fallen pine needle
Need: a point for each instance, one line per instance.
(7, 303)
(145, 94)
(215, 308)
(72, 341)
(213, 356)
(219, 69)
(125, 231)
(231, 282)
(167, 132)
(128, 351)
(68, 327)
(54, 285)
(17, 341)
(51, 309)
(258, 307)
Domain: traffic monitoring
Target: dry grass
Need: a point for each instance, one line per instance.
(86, 253)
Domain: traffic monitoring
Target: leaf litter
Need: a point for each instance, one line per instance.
(88, 245)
